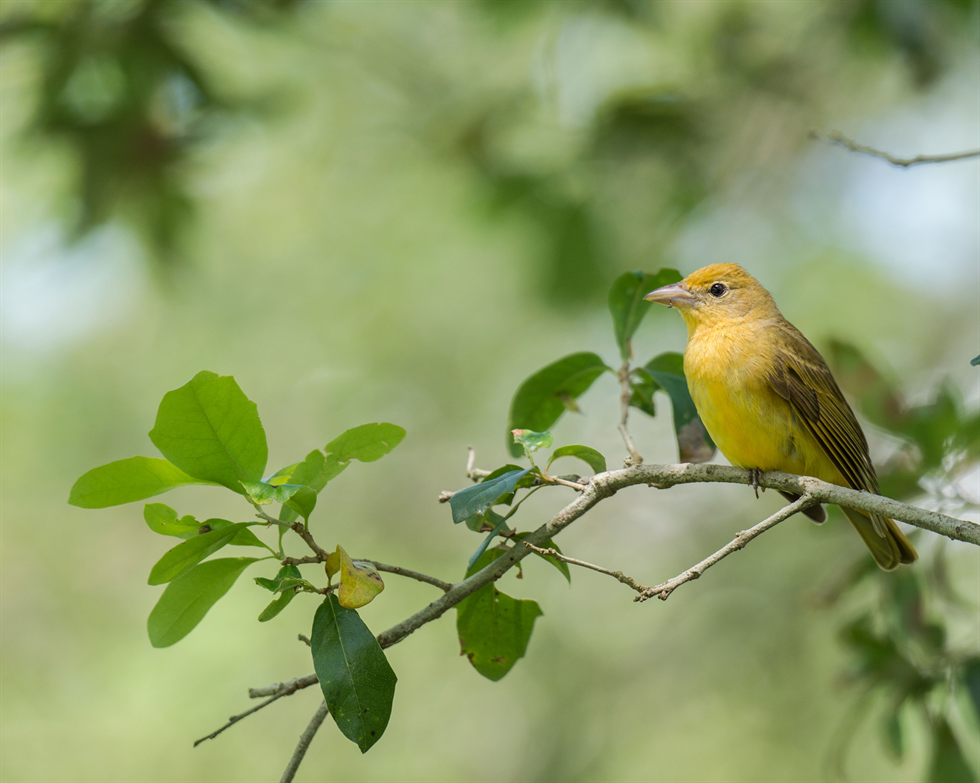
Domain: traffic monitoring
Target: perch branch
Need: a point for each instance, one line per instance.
(304, 743)
(283, 688)
(839, 138)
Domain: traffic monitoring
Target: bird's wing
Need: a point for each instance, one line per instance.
(800, 375)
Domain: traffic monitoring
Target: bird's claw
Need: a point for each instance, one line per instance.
(754, 475)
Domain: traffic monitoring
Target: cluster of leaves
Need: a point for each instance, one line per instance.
(210, 433)
(494, 629)
(902, 649)
(545, 396)
(902, 657)
(118, 87)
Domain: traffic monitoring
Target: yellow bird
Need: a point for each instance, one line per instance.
(768, 399)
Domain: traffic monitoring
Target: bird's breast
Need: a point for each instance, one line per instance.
(727, 374)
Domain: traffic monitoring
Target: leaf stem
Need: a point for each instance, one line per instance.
(624, 402)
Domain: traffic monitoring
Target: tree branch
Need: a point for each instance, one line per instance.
(624, 402)
(626, 580)
(417, 576)
(283, 688)
(663, 591)
(304, 743)
(839, 138)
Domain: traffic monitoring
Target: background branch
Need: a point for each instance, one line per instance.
(304, 742)
(839, 138)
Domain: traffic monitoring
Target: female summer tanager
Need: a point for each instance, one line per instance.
(767, 398)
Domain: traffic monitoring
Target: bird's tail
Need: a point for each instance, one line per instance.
(888, 548)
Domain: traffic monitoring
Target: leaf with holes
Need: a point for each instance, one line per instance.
(357, 682)
(544, 396)
(494, 629)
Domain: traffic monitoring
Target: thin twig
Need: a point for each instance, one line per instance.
(624, 400)
(473, 472)
(558, 480)
(419, 577)
(304, 639)
(270, 519)
(663, 591)
(235, 718)
(295, 561)
(839, 138)
(626, 580)
(303, 533)
(304, 743)
(283, 688)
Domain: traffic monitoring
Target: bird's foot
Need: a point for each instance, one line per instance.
(754, 475)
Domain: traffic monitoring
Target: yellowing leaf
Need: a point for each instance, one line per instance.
(360, 582)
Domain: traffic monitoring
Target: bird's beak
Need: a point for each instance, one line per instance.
(674, 295)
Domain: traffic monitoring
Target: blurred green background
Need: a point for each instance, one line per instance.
(395, 211)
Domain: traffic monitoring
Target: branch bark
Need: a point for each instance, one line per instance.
(304, 743)
(839, 138)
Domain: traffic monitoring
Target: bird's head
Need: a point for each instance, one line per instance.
(714, 295)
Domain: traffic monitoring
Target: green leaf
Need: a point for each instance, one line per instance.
(366, 443)
(276, 605)
(357, 682)
(588, 455)
(544, 396)
(532, 441)
(274, 585)
(693, 440)
(302, 502)
(477, 499)
(185, 556)
(189, 597)
(313, 472)
(261, 493)
(628, 307)
(501, 523)
(127, 480)
(162, 519)
(948, 764)
(281, 601)
(975, 361)
(494, 629)
(971, 678)
(642, 388)
(894, 740)
(561, 565)
(209, 429)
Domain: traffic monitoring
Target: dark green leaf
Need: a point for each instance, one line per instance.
(561, 565)
(532, 441)
(185, 556)
(501, 523)
(975, 361)
(261, 493)
(628, 307)
(189, 597)
(894, 740)
(477, 499)
(494, 629)
(588, 455)
(127, 480)
(209, 429)
(642, 388)
(971, 678)
(357, 682)
(543, 397)
(692, 439)
(162, 519)
(948, 764)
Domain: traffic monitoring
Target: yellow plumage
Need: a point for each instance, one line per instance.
(768, 399)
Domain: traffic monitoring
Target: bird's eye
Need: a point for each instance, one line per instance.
(718, 289)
